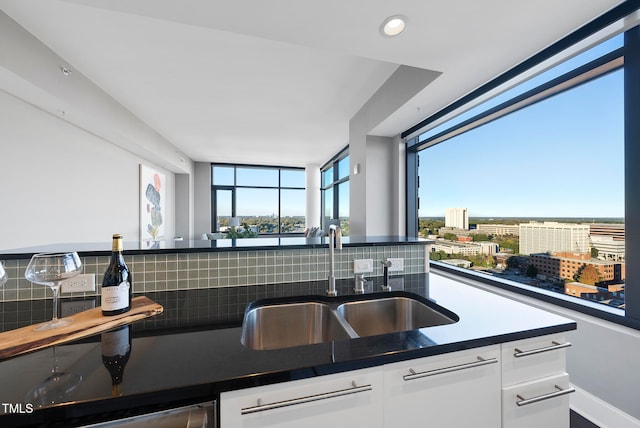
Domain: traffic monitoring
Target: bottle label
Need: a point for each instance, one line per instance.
(114, 298)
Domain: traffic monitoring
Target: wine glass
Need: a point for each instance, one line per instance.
(3, 275)
(55, 388)
(51, 269)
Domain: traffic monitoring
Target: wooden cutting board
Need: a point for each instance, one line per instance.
(86, 323)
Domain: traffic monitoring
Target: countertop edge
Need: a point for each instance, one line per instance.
(378, 360)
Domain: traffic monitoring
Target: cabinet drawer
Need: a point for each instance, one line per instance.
(353, 397)
(446, 364)
(456, 390)
(540, 403)
(528, 359)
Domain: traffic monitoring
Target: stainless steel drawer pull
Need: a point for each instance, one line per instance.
(480, 362)
(553, 347)
(308, 399)
(524, 401)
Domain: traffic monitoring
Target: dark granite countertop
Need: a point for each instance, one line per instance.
(202, 245)
(192, 352)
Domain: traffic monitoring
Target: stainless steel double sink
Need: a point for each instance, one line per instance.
(287, 322)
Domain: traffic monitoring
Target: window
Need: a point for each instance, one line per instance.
(549, 157)
(335, 192)
(267, 200)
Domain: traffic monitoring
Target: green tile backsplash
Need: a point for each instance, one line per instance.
(181, 271)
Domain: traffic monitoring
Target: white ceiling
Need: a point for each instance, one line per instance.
(276, 82)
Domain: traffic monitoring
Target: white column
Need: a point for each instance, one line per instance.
(312, 184)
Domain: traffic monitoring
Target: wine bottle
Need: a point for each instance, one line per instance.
(116, 349)
(117, 287)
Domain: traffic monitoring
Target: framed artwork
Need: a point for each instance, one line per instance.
(152, 203)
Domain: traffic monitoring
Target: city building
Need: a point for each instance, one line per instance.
(498, 229)
(449, 247)
(565, 266)
(489, 248)
(551, 237)
(608, 239)
(459, 263)
(465, 248)
(457, 218)
(455, 230)
(612, 296)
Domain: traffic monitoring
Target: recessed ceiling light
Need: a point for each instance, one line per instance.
(393, 25)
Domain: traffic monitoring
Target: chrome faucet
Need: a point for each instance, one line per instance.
(335, 242)
(386, 264)
(361, 281)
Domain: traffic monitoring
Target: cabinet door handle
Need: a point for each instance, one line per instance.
(307, 399)
(560, 391)
(553, 347)
(480, 362)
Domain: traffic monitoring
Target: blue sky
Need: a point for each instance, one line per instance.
(562, 157)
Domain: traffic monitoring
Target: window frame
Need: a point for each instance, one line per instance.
(234, 187)
(630, 53)
(334, 185)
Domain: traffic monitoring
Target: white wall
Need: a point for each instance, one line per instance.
(605, 361)
(202, 195)
(31, 71)
(380, 184)
(399, 187)
(184, 205)
(385, 198)
(59, 183)
(403, 85)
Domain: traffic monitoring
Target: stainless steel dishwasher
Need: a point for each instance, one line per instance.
(195, 416)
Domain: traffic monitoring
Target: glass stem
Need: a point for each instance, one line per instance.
(55, 290)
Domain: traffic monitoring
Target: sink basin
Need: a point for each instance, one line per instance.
(390, 315)
(290, 324)
(284, 323)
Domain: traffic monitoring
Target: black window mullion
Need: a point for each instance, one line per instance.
(336, 191)
(279, 200)
(333, 186)
(632, 172)
(412, 189)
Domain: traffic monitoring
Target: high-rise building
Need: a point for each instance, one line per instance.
(608, 239)
(457, 217)
(552, 236)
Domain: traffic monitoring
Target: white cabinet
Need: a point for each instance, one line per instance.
(535, 386)
(537, 403)
(457, 390)
(338, 400)
(520, 384)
